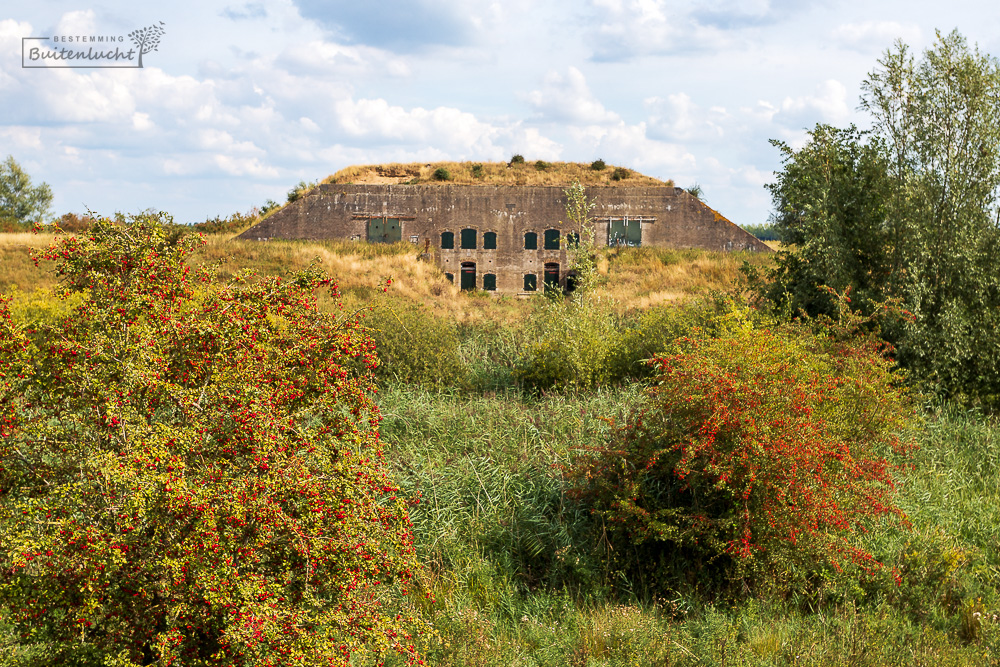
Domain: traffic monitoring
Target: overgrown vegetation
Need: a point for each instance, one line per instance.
(191, 472)
(653, 470)
(538, 172)
(518, 568)
(908, 211)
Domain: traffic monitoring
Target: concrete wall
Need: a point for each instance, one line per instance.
(670, 217)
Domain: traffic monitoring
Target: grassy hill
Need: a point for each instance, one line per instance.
(631, 278)
(495, 173)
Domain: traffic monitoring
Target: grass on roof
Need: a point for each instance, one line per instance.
(493, 173)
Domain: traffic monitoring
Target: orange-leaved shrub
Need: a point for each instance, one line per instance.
(760, 452)
(191, 473)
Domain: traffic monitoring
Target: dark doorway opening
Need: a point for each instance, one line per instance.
(572, 281)
(530, 282)
(490, 282)
(468, 275)
(551, 276)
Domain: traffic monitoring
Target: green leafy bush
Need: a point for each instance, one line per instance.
(568, 345)
(762, 451)
(191, 473)
(598, 165)
(415, 347)
(542, 165)
(516, 159)
(300, 191)
(620, 174)
(231, 224)
(477, 170)
(442, 174)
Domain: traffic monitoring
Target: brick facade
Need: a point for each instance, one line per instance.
(425, 215)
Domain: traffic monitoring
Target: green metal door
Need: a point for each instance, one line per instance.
(393, 232)
(376, 228)
(633, 233)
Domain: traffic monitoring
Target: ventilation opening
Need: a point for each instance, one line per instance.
(490, 282)
(448, 240)
(468, 275)
(551, 277)
(530, 282)
(530, 241)
(468, 239)
(552, 239)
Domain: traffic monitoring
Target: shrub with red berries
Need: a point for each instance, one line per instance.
(762, 454)
(191, 473)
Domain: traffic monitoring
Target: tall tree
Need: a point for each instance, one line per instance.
(909, 211)
(940, 119)
(19, 200)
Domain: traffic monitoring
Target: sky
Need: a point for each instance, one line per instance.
(241, 101)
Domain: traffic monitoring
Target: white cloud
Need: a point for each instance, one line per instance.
(244, 166)
(567, 98)
(828, 104)
(141, 122)
(628, 28)
(77, 23)
(875, 36)
(678, 118)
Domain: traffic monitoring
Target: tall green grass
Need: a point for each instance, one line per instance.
(518, 572)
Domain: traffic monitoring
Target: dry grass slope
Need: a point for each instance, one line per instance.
(631, 278)
(492, 173)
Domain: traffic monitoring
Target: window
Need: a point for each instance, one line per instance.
(490, 282)
(447, 240)
(384, 230)
(552, 239)
(468, 275)
(624, 231)
(530, 282)
(572, 240)
(531, 241)
(450, 277)
(551, 277)
(490, 241)
(468, 239)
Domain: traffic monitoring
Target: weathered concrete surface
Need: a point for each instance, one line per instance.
(668, 217)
